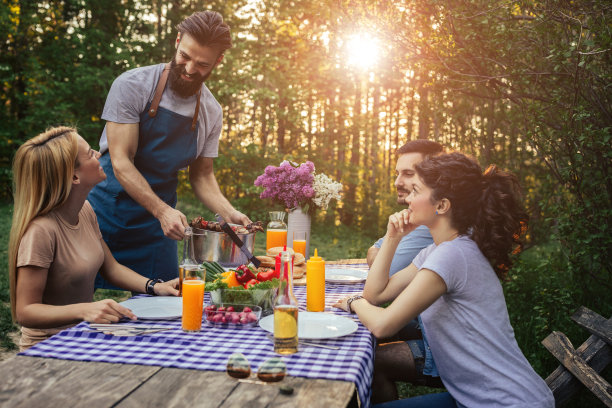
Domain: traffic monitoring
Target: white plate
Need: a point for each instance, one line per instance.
(334, 274)
(313, 325)
(156, 307)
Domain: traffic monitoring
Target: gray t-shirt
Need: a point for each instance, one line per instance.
(470, 335)
(409, 247)
(134, 89)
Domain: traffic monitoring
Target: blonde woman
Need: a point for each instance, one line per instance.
(55, 248)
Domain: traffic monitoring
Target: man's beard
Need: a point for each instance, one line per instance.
(183, 88)
(402, 199)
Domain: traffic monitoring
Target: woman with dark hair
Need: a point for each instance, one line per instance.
(475, 220)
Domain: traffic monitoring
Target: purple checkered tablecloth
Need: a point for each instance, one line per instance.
(210, 348)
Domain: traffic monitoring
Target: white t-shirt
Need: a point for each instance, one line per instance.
(134, 89)
(470, 335)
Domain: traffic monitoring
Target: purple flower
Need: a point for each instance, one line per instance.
(288, 184)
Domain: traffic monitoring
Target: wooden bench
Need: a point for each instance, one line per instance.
(583, 364)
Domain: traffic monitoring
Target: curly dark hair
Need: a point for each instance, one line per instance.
(486, 206)
(208, 29)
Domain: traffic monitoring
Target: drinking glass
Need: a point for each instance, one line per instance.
(299, 242)
(193, 304)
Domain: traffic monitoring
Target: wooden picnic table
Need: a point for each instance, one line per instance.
(45, 382)
(51, 382)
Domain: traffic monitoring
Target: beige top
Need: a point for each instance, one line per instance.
(73, 255)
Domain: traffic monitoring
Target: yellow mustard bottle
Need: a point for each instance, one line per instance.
(315, 283)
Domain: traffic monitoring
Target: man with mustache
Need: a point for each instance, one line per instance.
(409, 155)
(406, 356)
(161, 119)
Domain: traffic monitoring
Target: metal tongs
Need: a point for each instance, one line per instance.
(229, 231)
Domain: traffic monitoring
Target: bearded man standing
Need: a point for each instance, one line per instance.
(160, 119)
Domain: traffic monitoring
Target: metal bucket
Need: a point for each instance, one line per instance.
(218, 247)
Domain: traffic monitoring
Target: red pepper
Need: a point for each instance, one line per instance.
(250, 283)
(244, 274)
(266, 276)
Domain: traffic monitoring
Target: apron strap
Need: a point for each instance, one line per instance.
(194, 122)
(161, 85)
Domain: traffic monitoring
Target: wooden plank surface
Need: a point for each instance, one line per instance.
(560, 347)
(352, 261)
(563, 384)
(41, 382)
(44, 382)
(173, 387)
(195, 388)
(594, 323)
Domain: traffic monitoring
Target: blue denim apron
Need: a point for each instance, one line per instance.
(167, 142)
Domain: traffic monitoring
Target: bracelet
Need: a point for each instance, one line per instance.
(150, 284)
(350, 301)
(147, 286)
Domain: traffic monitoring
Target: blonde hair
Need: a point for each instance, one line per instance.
(42, 178)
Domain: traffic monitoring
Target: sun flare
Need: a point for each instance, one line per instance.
(362, 51)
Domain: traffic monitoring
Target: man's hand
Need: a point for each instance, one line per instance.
(169, 288)
(236, 217)
(173, 223)
(206, 189)
(122, 146)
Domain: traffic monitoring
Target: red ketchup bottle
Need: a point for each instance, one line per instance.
(277, 264)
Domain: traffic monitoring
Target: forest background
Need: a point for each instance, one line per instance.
(523, 84)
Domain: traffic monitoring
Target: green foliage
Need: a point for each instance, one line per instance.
(540, 298)
(6, 320)
(116, 295)
(541, 295)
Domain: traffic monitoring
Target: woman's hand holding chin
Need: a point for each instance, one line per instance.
(399, 224)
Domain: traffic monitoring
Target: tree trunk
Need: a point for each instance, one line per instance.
(348, 211)
(423, 112)
(282, 125)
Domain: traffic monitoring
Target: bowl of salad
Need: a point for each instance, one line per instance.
(243, 286)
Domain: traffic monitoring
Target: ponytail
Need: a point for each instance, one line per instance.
(501, 221)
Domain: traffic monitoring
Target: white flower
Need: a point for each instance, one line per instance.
(325, 189)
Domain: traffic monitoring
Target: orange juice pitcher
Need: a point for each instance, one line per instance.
(276, 230)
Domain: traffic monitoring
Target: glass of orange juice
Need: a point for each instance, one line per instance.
(193, 304)
(299, 242)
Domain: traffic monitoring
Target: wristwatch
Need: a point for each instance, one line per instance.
(350, 301)
(150, 284)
